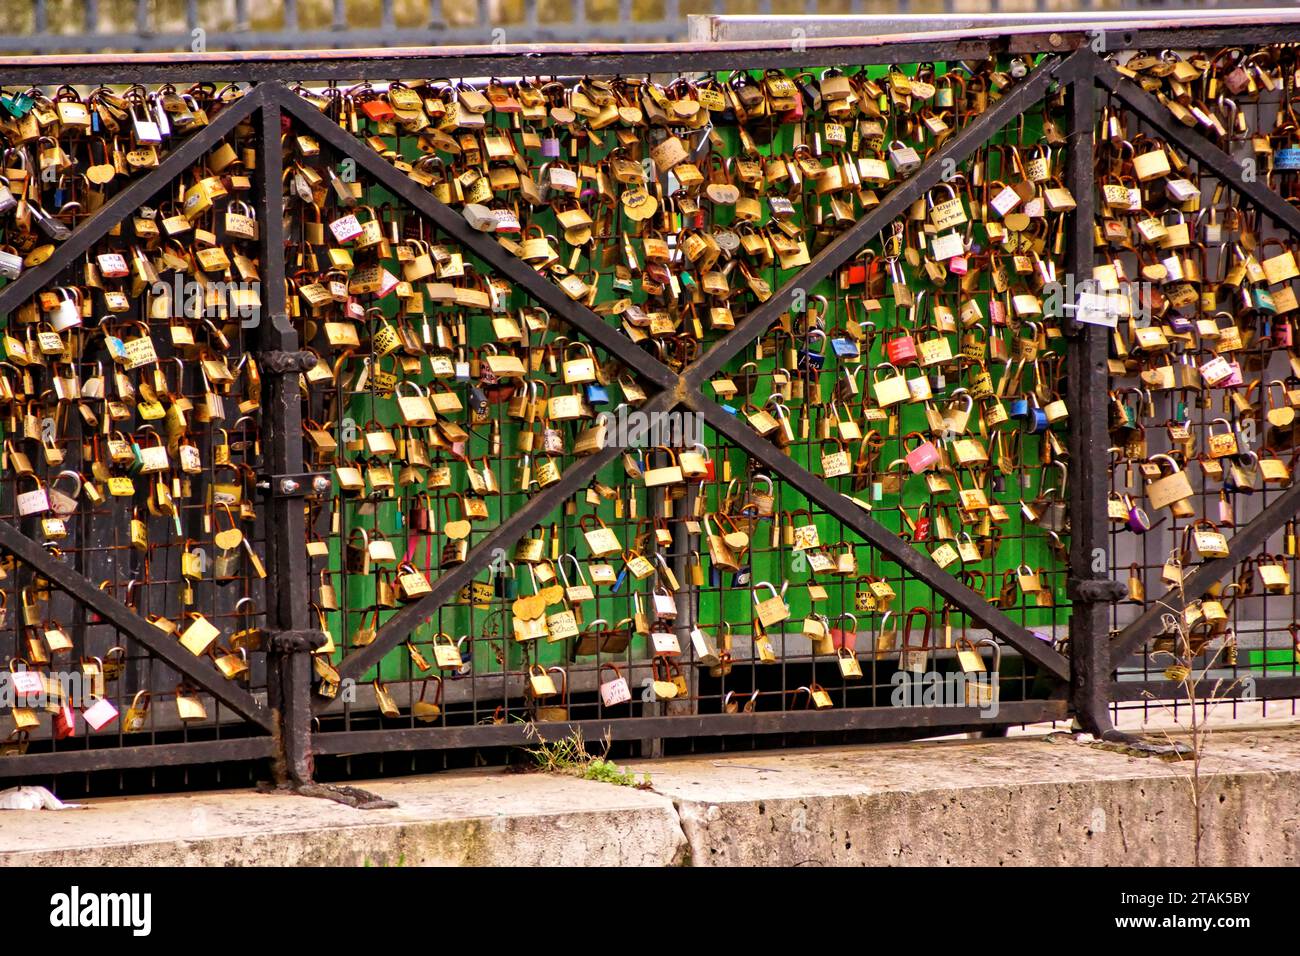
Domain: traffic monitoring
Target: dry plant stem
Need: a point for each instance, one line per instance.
(1200, 731)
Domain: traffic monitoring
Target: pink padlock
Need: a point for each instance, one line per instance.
(1234, 379)
(99, 714)
(1283, 335)
(924, 456)
(842, 637)
(616, 691)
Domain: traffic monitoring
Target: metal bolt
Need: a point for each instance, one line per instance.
(1055, 39)
(288, 486)
(320, 484)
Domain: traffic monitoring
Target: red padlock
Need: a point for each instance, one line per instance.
(378, 110)
(901, 350)
(921, 528)
(845, 638)
(65, 722)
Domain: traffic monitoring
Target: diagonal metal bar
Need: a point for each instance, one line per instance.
(124, 619)
(850, 242)
(397, 627)
(843, 248)
(544, 291)
(1228, 170)
(1240, 546)
(128, 201)
(889, 544)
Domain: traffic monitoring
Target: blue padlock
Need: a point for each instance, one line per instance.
(1018, 408)
(845, 347)
(596, 393)
(1287, 159)
(19, 105)
(810, 357)
(116, 348)
(1037, 421)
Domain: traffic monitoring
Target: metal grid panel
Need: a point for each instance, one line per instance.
(288, 682)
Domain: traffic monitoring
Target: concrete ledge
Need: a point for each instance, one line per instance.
(1020, 801)
(462, 819)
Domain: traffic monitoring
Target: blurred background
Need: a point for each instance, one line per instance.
(71, 26)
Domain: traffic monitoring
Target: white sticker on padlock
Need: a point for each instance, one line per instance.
(1096, 308)
(1005, 201)
(948, 246)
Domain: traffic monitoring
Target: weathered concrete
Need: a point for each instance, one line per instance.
(991, 803)
(1007, 802)
(464, 819)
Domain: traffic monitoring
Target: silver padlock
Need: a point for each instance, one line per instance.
(67, 313)
(665, 605)
(11, 265)
(904, 158)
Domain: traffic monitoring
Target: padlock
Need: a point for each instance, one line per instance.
(540, 683)
(904, 158)
(229, 549)
(424, 709)
(664, 604)
(772, 610)
(446, 653)
(615, 690)
(662, 684)
(189, 706)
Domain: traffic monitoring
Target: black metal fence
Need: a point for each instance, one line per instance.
(245, 625)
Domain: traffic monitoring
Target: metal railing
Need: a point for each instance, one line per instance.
(1082, 681)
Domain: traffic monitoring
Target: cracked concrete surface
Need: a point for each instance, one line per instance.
(1028, 801)
(1024, 801)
